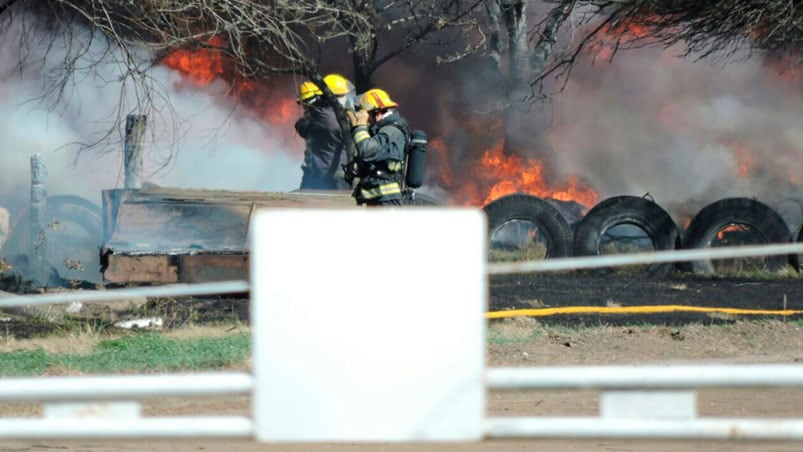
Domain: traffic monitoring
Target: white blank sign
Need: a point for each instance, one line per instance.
(368, 324)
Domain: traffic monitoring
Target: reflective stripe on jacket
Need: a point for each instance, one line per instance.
(380, 155)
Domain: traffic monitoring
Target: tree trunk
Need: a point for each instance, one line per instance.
(516, 124)
(515, 16)
(526, 66)
(362, 57)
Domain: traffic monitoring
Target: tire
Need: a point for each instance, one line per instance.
(74, 231)
(551, 226)
(648, 216)
(760, 218)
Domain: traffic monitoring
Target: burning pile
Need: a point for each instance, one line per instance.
(693, 139)
(495, 174)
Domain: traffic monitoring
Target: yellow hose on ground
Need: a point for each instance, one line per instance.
(544, 312)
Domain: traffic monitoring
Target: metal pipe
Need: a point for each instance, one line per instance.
(626, 377)
(125, 387)
(171, 290)
(576, 263)
(147, 427)
(699, 428)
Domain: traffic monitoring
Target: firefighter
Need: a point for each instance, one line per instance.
(380, 136)
(341, 87)
(325, 151)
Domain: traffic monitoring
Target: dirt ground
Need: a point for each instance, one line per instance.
(625, 340)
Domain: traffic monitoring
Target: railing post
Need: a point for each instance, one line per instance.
(134, 132)
(333, 365)
(38, 242)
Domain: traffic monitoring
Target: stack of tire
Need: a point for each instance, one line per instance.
(584, 237)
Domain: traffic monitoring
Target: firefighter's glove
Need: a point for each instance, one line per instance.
(358, 118)
(349, 173)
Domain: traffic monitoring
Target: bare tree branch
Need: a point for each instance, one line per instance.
(527, 41)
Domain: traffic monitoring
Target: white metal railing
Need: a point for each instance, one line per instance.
(647, 257)
(138, 427)
(170, 290)
(645, 402)
(709, 429)
(624, 389)
(653, 377)
(108, 406)
(125, 387)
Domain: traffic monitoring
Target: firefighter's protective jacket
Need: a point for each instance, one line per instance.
(380, 159)
(325, 151)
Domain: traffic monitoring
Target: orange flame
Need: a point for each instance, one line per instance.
(615, 35)
(628, 31)
(722, 234)
(496, 174)
(202, 66)
(285, 111)
(743, 154)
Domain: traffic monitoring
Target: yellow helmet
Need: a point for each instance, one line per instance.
(307, 91)
(339, 85)
(376, 99)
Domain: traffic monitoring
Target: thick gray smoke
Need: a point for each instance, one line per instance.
(688, 133)
(246, 153)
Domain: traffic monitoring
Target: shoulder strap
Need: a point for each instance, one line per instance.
(401, 124)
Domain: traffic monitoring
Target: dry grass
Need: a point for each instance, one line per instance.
(84, 341)
(60, 344)
(528, 341)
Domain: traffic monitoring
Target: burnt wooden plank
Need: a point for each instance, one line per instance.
(194, 268)
(165, 234)
(140, 269)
